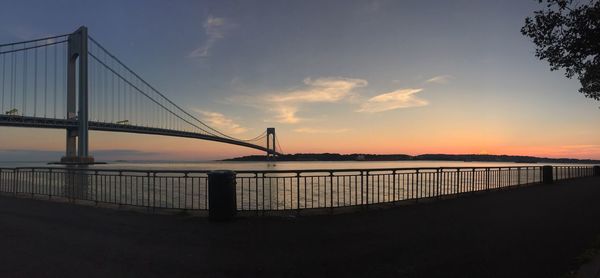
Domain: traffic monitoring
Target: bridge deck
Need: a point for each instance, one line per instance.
(39, 122)
(527, 232)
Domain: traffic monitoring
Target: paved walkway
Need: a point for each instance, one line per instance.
(534, 231)
(590, 269)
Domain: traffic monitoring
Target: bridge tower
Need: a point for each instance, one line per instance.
(77, 98)
(271, 143)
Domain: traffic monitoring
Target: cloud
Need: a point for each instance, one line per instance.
(329, 89)
(440, 79)
(285, 105)
(221, 122)
(215, 29)
(402, 98)
(285, 114)
(320, 131)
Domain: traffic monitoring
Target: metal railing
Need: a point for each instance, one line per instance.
(570, 172)
(155, 189)
(292, 190)
(271, 190)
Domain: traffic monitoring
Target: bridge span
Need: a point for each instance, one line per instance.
(72, 82)
(49, 123)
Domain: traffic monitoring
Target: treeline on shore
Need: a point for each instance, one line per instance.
(402, 157)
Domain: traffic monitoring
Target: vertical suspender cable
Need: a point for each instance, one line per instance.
(55, 77)
(105, 87)
(95, 88)
(46, 82)
(124, 93)
(118, 99)
(13, 78)
(112, 97)
(138, 105)
(130, 104)
(91, 90)
(3, 79)
(124, 102)
(91, 87)
(35, 70)
(63, 78)
(98, 90)
(24, 95)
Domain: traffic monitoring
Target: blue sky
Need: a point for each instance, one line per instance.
(341, 76)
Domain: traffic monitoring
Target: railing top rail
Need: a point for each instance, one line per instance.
(300, 171)
(159, 171)
(110, 170)
(380, 169)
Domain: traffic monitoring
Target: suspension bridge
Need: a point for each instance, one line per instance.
(72, 82)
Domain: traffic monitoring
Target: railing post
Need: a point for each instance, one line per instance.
(362, 189)
(394, 185)
(221, 195)
(487, 179)
(367, 185)
(473, 180)
(95, 190)
(32, 183)
(597, 171)
(153, 190)
(547, 176)
(15, 181)
(458, 181)
(439, 182)
(298, 190)
(417, 184)
(330, 189)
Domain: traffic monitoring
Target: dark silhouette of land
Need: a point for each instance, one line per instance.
(534, 231)
(402, 157)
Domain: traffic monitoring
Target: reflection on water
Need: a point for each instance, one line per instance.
(76, 182)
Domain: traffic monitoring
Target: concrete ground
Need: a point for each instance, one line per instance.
(590, 269)
(534, 231)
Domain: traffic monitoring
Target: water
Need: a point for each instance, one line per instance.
(285, 165)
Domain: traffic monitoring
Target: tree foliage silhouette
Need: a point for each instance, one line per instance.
(567, 35)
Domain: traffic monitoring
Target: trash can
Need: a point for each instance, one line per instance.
(547, 175)
(221, 195)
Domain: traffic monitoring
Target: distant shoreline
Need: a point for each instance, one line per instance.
(423, 157)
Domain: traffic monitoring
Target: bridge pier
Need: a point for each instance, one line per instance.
(271, 150)
(77, 99)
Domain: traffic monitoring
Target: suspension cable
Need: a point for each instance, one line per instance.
(279, 146)
(36, 40)
(142, 92)
(159, 93)
(31, 47)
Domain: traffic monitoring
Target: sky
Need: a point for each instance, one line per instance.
(386, 77)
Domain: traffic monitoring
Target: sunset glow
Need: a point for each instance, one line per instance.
(355, 79)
